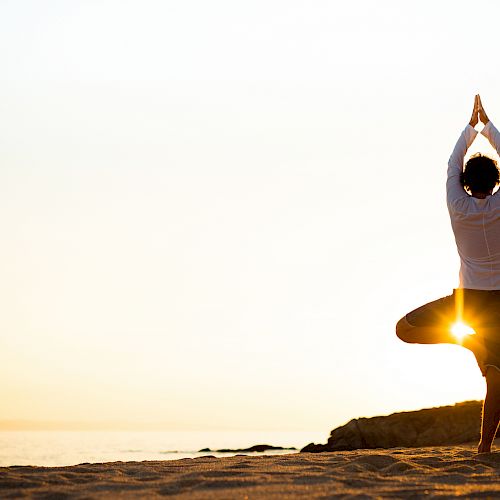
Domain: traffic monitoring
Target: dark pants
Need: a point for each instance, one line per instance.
(479, 309)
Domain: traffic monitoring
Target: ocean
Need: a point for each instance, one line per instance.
(60, 448)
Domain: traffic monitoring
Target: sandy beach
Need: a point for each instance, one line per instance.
(400, 472)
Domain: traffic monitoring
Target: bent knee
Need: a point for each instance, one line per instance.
(404, 330)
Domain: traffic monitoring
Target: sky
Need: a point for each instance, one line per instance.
(214, 213)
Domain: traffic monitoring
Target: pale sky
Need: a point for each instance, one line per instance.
(214, 213)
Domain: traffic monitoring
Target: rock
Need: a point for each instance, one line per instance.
(441, 426)
(257, 447)
(265, 447)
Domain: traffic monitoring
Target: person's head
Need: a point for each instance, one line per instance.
(480, 175)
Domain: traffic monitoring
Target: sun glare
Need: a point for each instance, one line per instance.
(460, 330)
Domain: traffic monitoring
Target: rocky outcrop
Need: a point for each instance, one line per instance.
(445, 425)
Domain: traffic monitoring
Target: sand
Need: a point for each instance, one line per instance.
(400, 472)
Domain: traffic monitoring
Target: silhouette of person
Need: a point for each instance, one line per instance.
(475, 219)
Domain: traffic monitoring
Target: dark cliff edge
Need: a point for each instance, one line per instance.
(441, 426)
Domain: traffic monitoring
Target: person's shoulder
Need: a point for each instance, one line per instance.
(461, 206)
(494, 200)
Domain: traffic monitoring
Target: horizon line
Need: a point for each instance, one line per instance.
(54, 425)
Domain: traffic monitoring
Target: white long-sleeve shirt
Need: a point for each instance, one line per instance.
(475, 222)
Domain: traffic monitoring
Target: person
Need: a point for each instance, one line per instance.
(475, 219)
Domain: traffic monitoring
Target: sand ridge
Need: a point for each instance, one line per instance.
(400, 472)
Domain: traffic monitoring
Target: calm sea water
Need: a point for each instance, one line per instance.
(56, 448)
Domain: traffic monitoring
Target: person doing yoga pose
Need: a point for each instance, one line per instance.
(475, 219)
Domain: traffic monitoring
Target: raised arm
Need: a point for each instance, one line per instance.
(454, 189)
(489, 131)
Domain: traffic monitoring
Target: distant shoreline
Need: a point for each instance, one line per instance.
(74, 447)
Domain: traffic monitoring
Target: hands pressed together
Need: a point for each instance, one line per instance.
(478, 113)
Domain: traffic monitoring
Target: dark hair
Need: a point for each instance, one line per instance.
(480, 174)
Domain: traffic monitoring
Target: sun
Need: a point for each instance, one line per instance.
(461, 330)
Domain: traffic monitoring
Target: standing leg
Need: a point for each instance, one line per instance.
(491, 410)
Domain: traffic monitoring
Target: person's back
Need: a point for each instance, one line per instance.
(475, 219)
